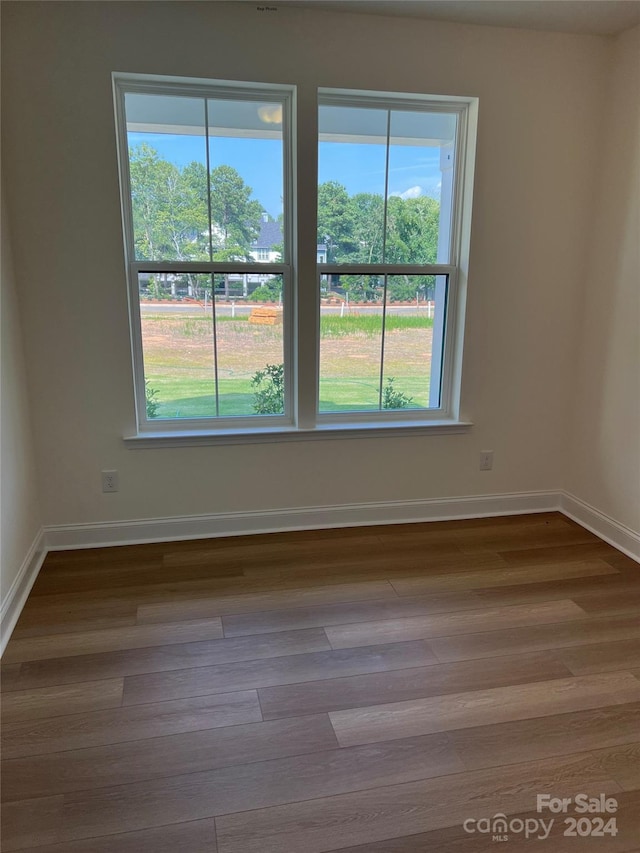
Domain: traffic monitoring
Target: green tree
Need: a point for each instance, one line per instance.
(170, 216)
(367, 214)
(412, 230)
(236, 216)
(171, 213)
(363, 288)
(147, 201)
(412, 238)
(336, 222)
(195, 209)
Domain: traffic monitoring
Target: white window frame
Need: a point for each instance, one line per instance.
(451, 301)
(301, 419)
(220, 90)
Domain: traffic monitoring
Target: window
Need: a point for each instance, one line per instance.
(387, 172)
(208, 208)
(204, 171)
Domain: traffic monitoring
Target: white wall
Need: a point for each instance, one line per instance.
(605, 438)
(19, 492)
(541, 96)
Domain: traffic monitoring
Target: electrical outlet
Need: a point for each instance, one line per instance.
(486, 460)
(109, 481)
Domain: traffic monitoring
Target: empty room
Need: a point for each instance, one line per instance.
(320, 426)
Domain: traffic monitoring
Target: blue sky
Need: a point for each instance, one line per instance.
(360, 168)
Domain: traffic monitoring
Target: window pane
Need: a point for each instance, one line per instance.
(249, 336)
(367, 155)
(350, 342)
(354, 321)
(167, 141)
(351, 184)
(194, 368)
(421, 146)
(177, 342)
(167, 156)
(409, 341)
(247, 180)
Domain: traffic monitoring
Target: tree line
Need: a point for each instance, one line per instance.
(171, 210)
(171, 204)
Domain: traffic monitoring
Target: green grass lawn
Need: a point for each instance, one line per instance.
(195, 398)
(185, 397)
(179, 362)
(333, 325)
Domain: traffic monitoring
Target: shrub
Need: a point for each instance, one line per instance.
(393, 399)
(150, 396)
(399, 291)
(271, 291)
(269, 396)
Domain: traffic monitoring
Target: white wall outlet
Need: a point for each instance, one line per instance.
(109, 481)
(486, 460)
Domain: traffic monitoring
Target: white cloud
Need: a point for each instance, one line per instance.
(412, 192)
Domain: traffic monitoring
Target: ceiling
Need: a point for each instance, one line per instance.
(597, 17)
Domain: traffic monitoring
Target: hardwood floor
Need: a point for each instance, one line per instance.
(364, 689)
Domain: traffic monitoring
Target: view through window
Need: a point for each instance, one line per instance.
(206, 180)
(208, 191)
(384, 213)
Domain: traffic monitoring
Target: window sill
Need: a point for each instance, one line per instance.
(196, 438)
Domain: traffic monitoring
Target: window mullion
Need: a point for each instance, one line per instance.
(210, 241)
(386, 192)
(307, 301)
(208, 167)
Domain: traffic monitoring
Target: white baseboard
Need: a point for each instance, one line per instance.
(619, 535)
(20, 588)
(70, 536)
(306, 518)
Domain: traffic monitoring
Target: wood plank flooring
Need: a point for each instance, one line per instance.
(362, 689)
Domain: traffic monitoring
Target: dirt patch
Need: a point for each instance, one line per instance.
(186, 344)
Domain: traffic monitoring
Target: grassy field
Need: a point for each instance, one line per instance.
(178, 356)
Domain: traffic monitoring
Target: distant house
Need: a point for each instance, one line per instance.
(267, 247)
